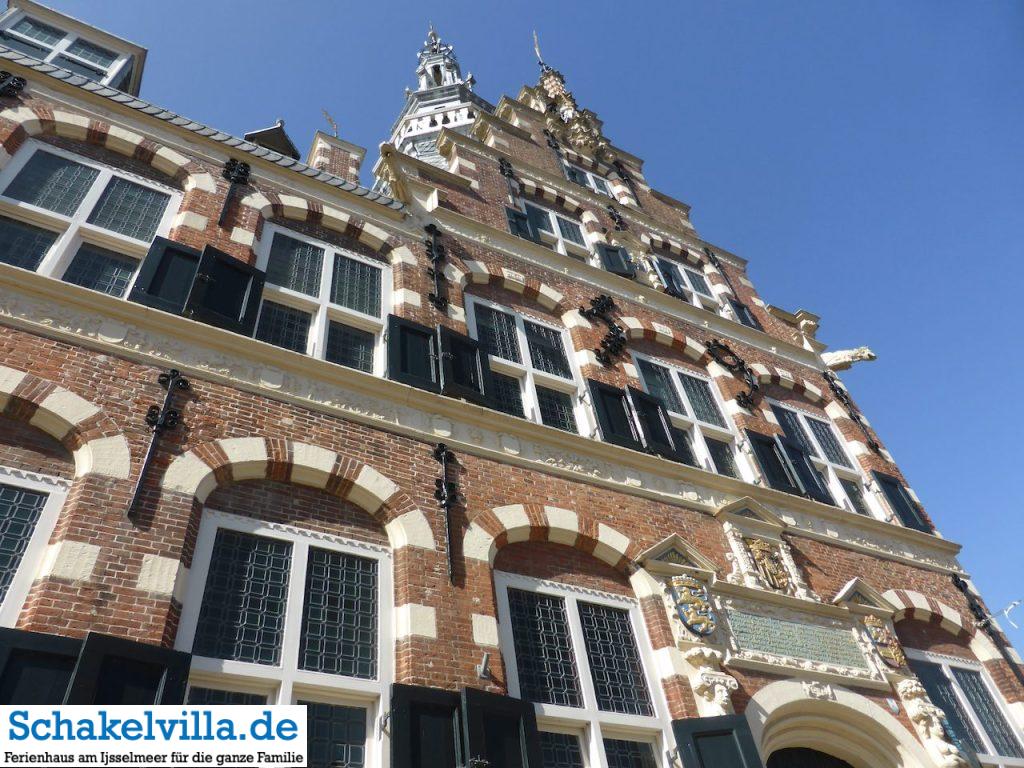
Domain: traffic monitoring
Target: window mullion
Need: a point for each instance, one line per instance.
(293, 611)
(582, 660)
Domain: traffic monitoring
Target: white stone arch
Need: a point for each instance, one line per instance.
(254, 458)
(911, 604)
(838, 722)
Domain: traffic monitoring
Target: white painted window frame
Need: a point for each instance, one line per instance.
(113, 72)
(593, 180)
(286, 683)
(830, 470)
(699, 430)
(945, 662)
(529, 377)
(554, 238)
(589, 723)
(320, 308)
(31, 563)
(694, 297)
(75, 230)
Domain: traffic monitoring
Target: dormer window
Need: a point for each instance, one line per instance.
(66, 49)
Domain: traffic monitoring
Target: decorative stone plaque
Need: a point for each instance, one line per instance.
(788, 638)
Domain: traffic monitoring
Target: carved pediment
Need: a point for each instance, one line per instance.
(750, 514)
(861, 597)
(674, 555)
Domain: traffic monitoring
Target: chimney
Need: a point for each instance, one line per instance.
(336, 156)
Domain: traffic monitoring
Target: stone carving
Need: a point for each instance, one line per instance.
(693, 605)
(885, 642)
(712, 686)
(930, 724)
(818, 690)
(768, 562)
(579, 128)
(843, 359)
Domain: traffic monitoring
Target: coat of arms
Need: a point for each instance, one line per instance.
(693, 604)
(885, 642)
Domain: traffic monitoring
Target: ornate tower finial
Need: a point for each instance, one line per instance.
(536, 49)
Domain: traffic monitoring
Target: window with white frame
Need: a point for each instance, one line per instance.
(824, 447)
(584, 660)
(29, 505)
(78, 220)
(559, 232)
(587, 179)
(277, 615)
(67, 50)
(322, 300)
(686, 283)
(694, 407)
(532, 376)
(974, 709)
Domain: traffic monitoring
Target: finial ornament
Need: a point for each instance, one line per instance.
(330, 122)
(536, 50)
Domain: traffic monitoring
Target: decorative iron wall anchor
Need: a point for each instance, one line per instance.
(614, 342)
(436, 254)
(557, 149)
(844, 397)
(616, 217)
(11, 85)
(447, 494)
(159, 419)
(985, 622)
(506, 170)
(723, 355)
(237, 174)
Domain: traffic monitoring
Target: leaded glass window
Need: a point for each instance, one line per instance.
(497, 333)
(540, 220)
(63, 49)
(52, 182)
(336, 735)
(560, 750)
(544, 653)
(570, 230)
(658, 380)
(352, 347)
(129, 208)
(615, 665)
(722, 457)
(283, 326)
(556, 409)
(101, 57)
(557, 232)
(698, 392)
(22, 245)
(941, 692)
(794, 430)
(243, 608)
(827, 440)
(295, 264)
(101, 270)
(629, 754)
(856, 496)
(998, 730)
(547, 353)
(339, 628)
(698, 282)
(507, 396)
(356, 285)
(20, 509)
(215, 696)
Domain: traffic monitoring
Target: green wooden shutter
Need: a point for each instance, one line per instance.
(412, 354)
(165, 276)
(35, 668)
(426, 727)
(113, 670)
(616, 260)
(225, 292)
(465, 369)
(614, 415)
(716, 742)
(774, 464)
(656, 430)
(905, 508)
(519, 225)
(500, 729)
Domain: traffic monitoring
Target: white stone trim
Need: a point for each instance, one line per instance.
(611, 544)
(414, 620)
(485, 630)
(563, 525)
(164, 576)
(514, 520)
(371, 489)
(247, 456)
(69, 561)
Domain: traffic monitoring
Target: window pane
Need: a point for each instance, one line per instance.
(658, 380)
(242, 614)
(506, 394)
(940, 691)
(22, 245)
(496, 332)
(576, 175)
(52, 182)
(601, 186)
(698, 392)
(547, 352)
(544, 655)
(356, 285)
(294, 264)
(30, 49)
(828, 442)
(539, 219)
(129, 208)
(614, 660)
(628, 754)
(19, 512)
(352, 347)
(100, 269)
(992, 721)
(722, 457)
(92, 53)
(560, 750)
(698, 282)
(570, 231)
(339, 623)
(283, 326)
(856, 495)
(42, 33)
(556, 409)
(336, 735)
(794, 430)
(92, 73)
(214, 696)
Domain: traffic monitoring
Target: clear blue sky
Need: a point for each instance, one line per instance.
(867, 159)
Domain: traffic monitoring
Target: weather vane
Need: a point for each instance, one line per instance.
(536, 49)
(330, 122)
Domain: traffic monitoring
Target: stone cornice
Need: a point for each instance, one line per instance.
(76, 315)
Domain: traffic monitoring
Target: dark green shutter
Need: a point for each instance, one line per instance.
(225, 292)
(500, 729)
(35, 668)
(656, 430)
(716, 742)
(519, 225)
(426, 729)
(901, 503)
(773, 462)
(814, 485)
(616, 260)
(113, 670)
(166, 275)
(674, 284)
(613, 415)
(465, 369)
(745, 315)
(412, 354)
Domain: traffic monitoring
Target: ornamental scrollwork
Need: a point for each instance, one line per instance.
(843, 397)
(723, 354)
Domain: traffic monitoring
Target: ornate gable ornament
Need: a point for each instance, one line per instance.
(685, 575)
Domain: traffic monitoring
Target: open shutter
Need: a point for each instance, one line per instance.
(716, 742)
(166, 276)
(225, 292)
(774, 463)
(744, 315)
(673, 280)
(814, 485)
(684, 451)
(656, 431)
(113, 670)
(575, 175)
(412, 354)
(901, 503)
(519, 225)
(614, 415)
(616, 260)
(425, 727)
(500, 729)
(465, 369)
(35, 668)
